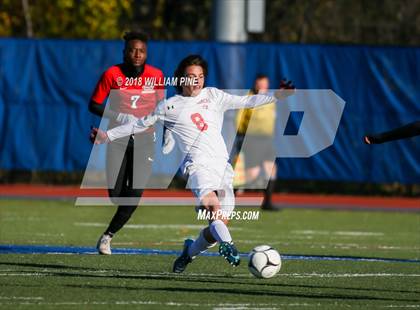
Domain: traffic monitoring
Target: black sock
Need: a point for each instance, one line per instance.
(268, 193)
(121, 217)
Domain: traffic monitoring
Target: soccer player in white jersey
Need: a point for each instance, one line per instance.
(195, 117)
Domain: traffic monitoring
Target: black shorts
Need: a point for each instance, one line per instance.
(129, 165)
(258, 149)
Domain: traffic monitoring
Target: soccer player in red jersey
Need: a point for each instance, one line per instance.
(131, 94)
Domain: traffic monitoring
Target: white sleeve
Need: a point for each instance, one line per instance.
(141, 125)
(230, 102)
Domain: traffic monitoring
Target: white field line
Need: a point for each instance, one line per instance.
(51, 272)
(49, 234)
(338, 233)
(391, 247)
(401, 306)
(243, 308)
(27, 274)
(20, 298)
(346, 275)
(344, 246)
(110, 273)
(273, 306)
(105, 273)
(151, 226)
(229, 306)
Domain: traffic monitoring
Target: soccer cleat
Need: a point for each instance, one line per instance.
(230, 253)
(104, 245)
(182, 261)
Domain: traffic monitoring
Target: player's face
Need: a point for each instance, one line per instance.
(136, 52)
(193, 72)
(262, 85)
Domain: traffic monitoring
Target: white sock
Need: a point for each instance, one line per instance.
(220, 232)
(199, 245)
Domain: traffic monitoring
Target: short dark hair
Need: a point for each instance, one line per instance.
(190, 60)
(260, 76)
(135, 35)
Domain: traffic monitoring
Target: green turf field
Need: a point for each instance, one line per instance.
(144, 281)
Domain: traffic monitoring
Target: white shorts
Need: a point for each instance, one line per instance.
(203, 179)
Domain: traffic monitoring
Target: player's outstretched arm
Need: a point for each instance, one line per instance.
(406, 131)
(141, 125)
(232, 102)
(98, 136)
(246, 102)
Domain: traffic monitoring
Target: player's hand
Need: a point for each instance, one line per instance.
(124, 118)
(98, 136)
(285, 90)
(371, 139)
(148, 120)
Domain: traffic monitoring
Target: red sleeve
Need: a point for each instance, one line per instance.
(103, 88)
(160, 95)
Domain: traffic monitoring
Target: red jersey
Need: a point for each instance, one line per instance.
(137, 96)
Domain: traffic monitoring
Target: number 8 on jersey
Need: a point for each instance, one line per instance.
(198, 120)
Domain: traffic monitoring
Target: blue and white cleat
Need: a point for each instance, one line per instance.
(182, 261)
(230, 253)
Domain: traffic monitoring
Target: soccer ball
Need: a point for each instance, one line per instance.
(264, 261)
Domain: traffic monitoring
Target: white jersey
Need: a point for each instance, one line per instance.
(196, 122)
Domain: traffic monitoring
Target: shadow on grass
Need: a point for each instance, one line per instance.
(248, 292)
(213, 279)
(63, 267)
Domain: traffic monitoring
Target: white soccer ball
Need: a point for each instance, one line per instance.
(264, 261)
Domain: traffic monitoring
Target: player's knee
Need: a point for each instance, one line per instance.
(211, 202)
